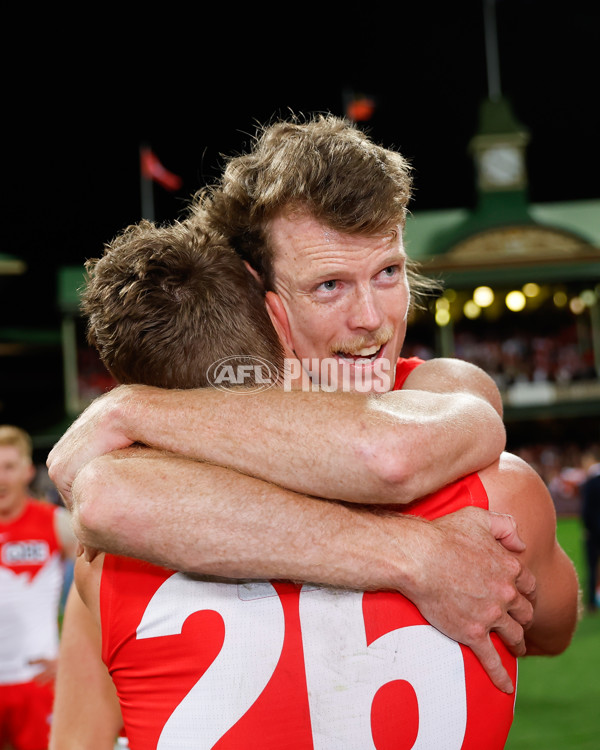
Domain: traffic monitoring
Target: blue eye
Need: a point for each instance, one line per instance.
(390, 270)
(329, 286)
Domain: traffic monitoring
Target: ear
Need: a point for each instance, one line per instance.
(253, 272)
(279, 318)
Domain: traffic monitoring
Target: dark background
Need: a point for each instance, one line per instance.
(82, 93)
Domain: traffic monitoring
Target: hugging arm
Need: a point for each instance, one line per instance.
(388, 448)
(222, 528)
(367, 449)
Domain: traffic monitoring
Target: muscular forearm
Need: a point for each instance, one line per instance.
(393, 447)
(212, 521)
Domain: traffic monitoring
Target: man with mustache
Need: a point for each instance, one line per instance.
(317, 212)
(273, 678)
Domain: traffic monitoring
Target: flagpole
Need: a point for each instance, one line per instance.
(491, 50)
(146, 190)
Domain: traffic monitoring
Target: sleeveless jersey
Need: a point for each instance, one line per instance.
(404, 367)
(272, 665)
(31, 577)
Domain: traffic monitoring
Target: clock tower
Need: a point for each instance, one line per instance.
(500, 231)
(498, 149)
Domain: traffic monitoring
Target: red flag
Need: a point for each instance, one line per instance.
(360, 109)
(152, 169)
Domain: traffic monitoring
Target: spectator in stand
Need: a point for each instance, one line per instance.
(590, 514)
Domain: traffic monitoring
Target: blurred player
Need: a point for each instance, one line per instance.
(35, 539)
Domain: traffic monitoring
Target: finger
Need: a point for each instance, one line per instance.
(65, 496)
(526, 584)
(90, 553)
(520, 611)
(512, 634)
(490, 660)
(504, 528)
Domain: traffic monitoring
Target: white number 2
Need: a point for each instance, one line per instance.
(251, 649)
(343, 673)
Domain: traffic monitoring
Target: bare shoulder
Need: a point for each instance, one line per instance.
(449, 375)
(450, 368)
(509, 474)
(514, 487)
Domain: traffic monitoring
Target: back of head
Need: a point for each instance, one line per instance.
(324, 166)
(16, 438)
(164, 303)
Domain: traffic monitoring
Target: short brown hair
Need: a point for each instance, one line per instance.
(17, 438)
(166, 302)
(325, 166)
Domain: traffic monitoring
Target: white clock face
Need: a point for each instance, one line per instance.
(502, 166)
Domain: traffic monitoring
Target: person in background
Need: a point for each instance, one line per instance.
(35, 541)
(590, 516)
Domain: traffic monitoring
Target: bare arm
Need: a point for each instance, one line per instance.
(385, 448)
(447, 375)
(515, 488)
(221, 529)
(86, 713)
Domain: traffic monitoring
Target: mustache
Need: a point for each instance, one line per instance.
(355, 344)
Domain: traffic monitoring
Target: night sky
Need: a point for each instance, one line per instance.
(80, 100)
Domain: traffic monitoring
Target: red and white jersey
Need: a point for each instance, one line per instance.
(271, 665)
(31, 578)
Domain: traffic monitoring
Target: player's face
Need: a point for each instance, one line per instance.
(346, 298)
(15, 475)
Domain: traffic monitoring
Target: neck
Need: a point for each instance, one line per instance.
(13, 511)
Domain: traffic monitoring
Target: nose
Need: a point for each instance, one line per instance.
(365, 312)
